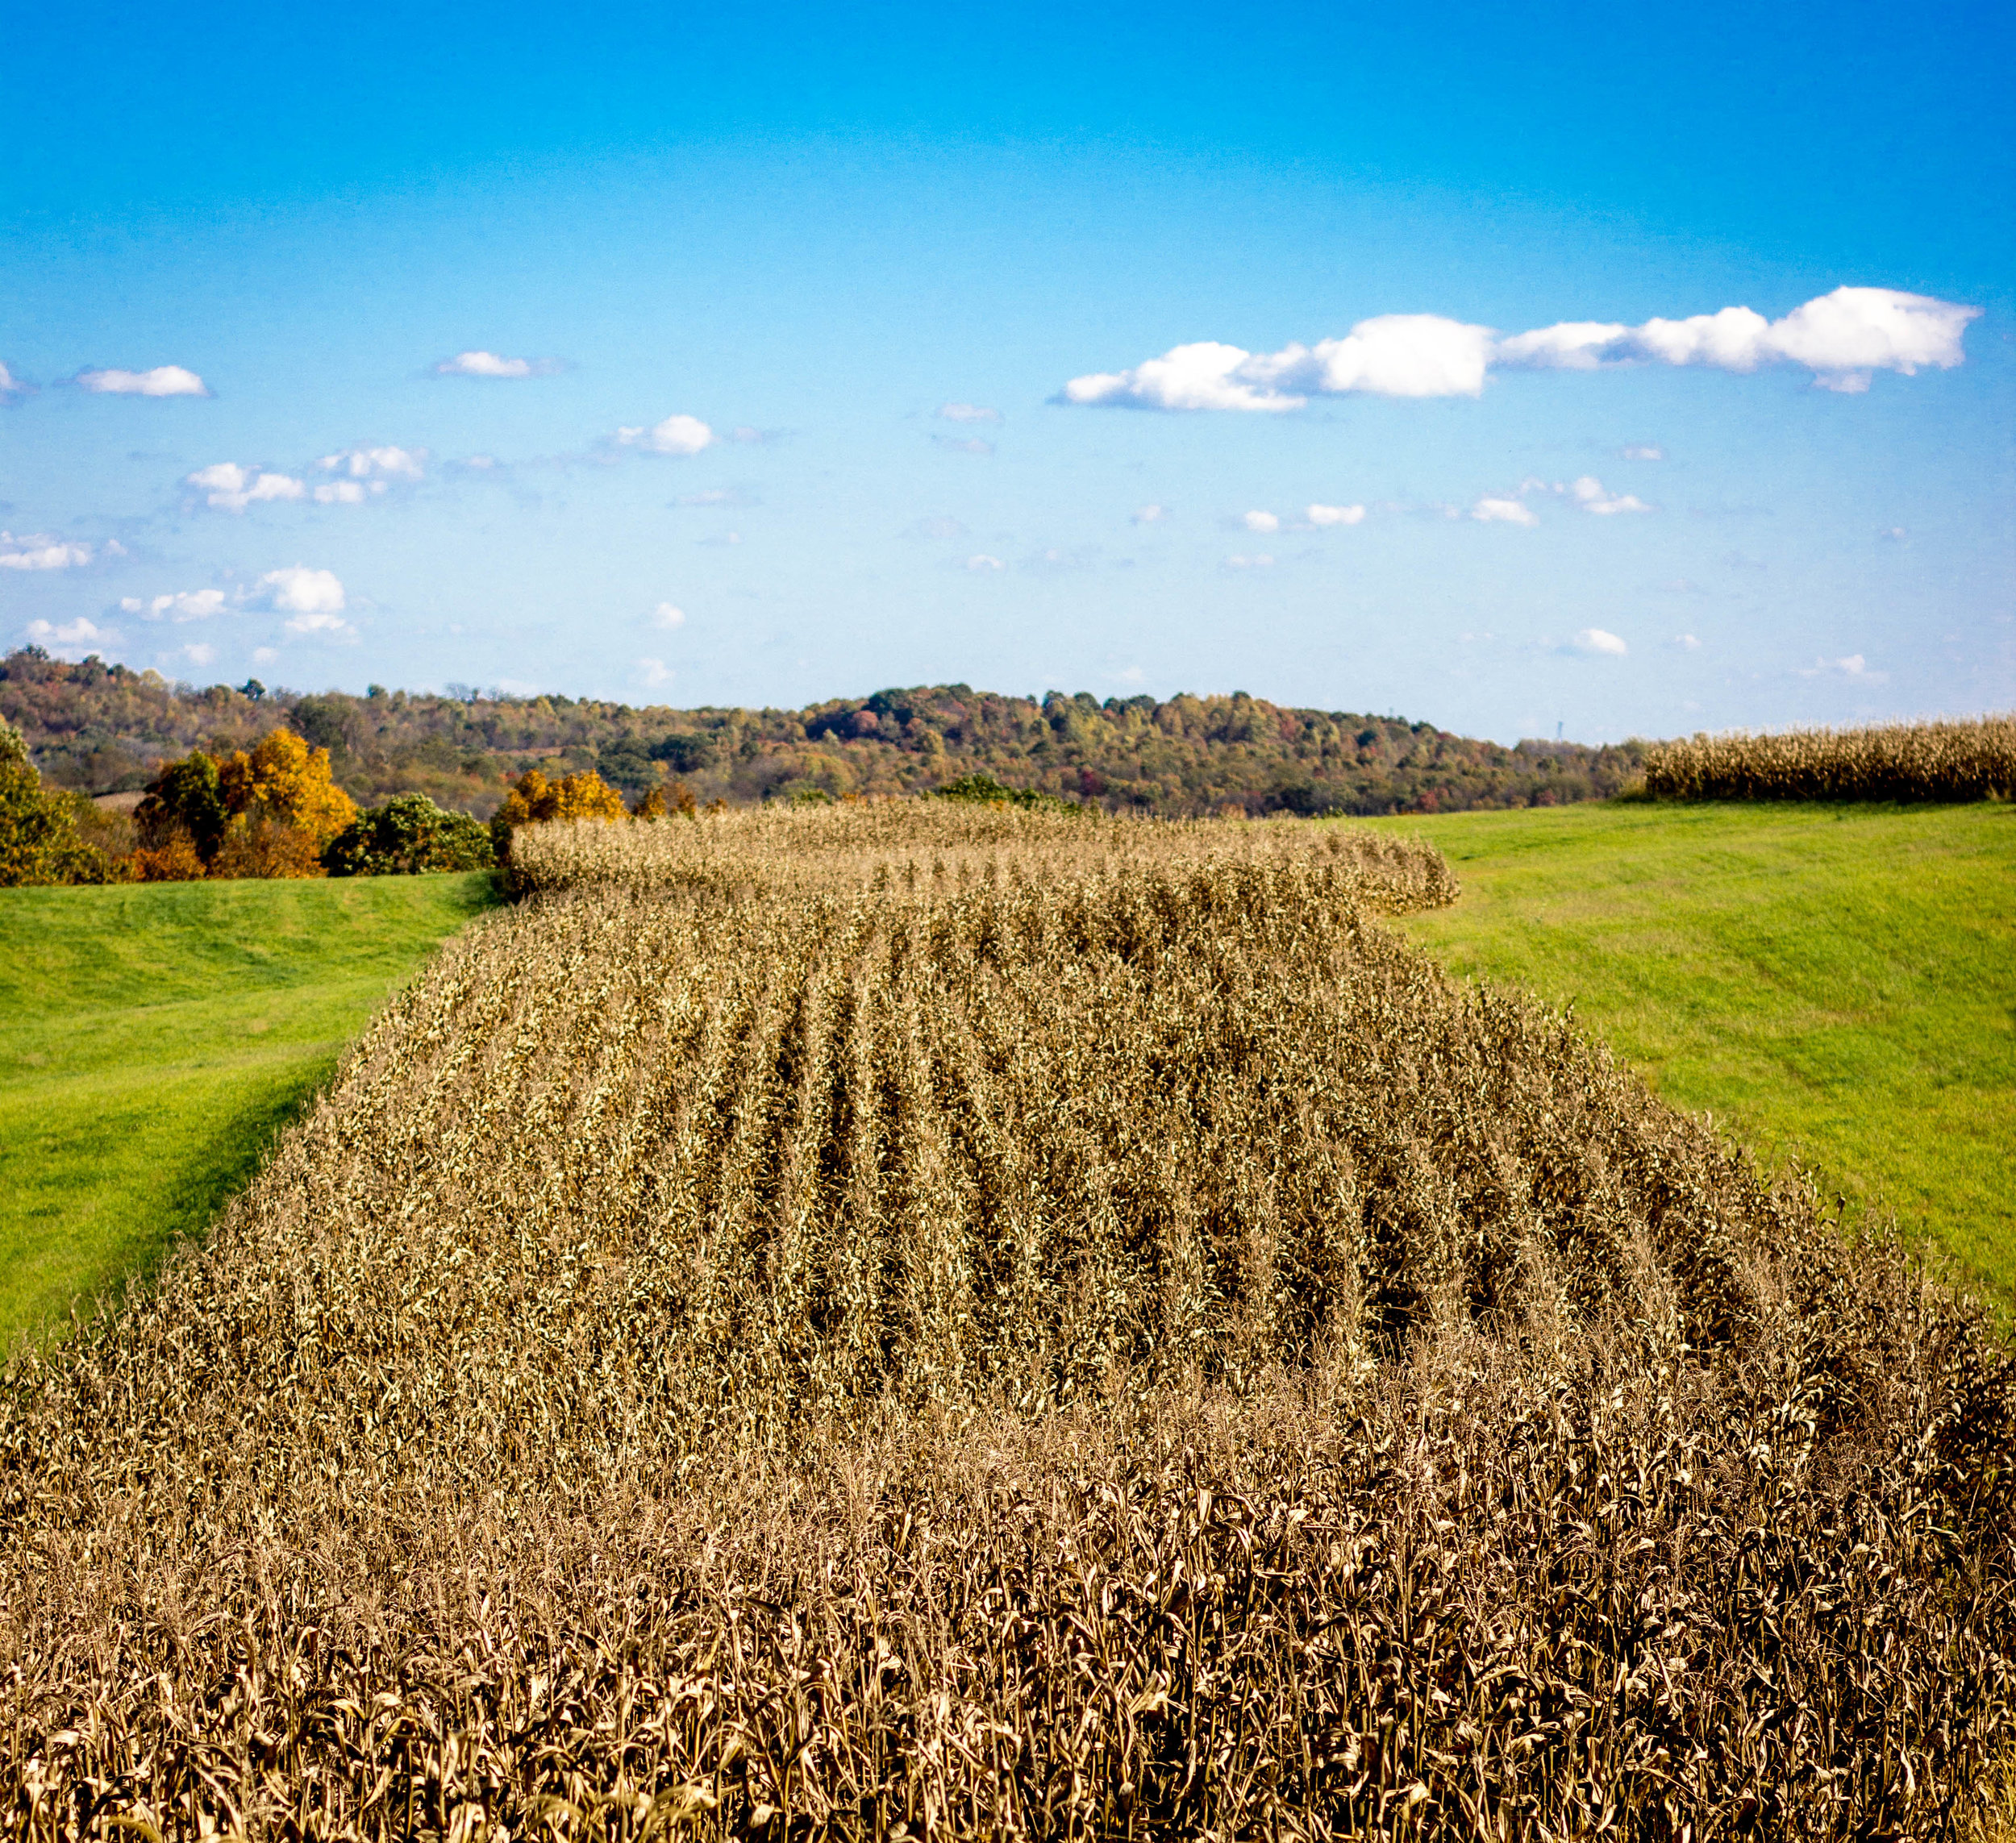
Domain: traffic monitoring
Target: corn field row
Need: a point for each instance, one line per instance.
(1100, 1348)
(1974, 759)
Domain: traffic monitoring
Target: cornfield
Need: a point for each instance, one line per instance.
(892, 1324)
(1974, 759)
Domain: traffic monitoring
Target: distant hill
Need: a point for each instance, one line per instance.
(99, 728)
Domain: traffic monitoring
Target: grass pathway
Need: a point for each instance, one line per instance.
(1836, 984)
(156, 1036)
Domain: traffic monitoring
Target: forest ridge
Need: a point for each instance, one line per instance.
(95, 728)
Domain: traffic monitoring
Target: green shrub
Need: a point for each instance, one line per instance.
(409, 834)
(981, 789)
(39, 840)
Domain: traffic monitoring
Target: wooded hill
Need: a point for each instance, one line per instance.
(97, 728)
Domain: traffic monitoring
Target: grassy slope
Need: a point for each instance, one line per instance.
(157, 1035)
(1835, 983)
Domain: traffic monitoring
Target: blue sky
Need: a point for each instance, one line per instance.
(905, 313)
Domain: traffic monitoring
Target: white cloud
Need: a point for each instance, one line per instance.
(983, 563)
(320, 621)
(1393, 355)
(675, 435)
(312, 593)
(346, 491)
(1503, 512)
(163, 380)
(968, 413)
(1841, 337)
(1642, 450)
(1204, 376)
(1596, 641)
(666, 615)
(653, 671)
(1261, 560)
(12, 386)
(1686, 642)
(1263, 521)
(1853, 666)
(69, 639)
(231, 488)
(200, 653)
(490, 364)
(1589, 492)
(1149, 515)
(41, 551)
(367, 463)
(1321, 516)
(186, 605)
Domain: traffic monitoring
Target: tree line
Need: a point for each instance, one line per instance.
(99, 728)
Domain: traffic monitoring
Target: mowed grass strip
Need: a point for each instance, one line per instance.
(1835, 983)
(157, 1036)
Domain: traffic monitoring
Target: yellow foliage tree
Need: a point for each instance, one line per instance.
(533, 800)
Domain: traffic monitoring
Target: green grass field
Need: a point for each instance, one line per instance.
(1834, 983)
(157, 1036)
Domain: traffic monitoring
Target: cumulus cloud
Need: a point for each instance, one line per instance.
(163, 380)
(1597, 643)
(368, 464)
(1149, 515)
(1589, 492)
(1642, 450)
(1322, 516)
(1503, 512)
(1260, 560)
(41, 551)
(983, 564)
(70, 638)
(185, 604)
(1842, 338)
(1853, 666)
(675, 435)
(231, 488)
(653, 671)
(968, 413)
(315, 597)
(1685, 643)
(1260, 521)
(666, 615)
(199, 653)
(491, 364)
(1394, 354)
(12, 387)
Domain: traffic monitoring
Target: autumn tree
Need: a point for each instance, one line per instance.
(268, 811)
(533, 800)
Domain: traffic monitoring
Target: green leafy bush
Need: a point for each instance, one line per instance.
(39, 840)
(409, 834)
(981, 789)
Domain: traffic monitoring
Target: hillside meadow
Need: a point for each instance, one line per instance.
(1835, 983)
(723, 1357)
(158, 1036)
